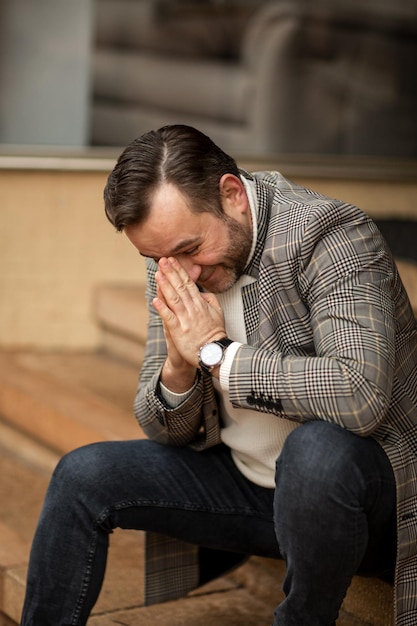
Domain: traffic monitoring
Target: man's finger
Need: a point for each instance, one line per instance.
(178, 276)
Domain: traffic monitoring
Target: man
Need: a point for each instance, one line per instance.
(280, 376)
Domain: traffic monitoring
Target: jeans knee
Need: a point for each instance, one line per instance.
(316, 461)
(78, 472)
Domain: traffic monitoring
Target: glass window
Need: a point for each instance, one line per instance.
(261, 78)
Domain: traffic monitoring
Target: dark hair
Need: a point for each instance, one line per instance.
(178, 154)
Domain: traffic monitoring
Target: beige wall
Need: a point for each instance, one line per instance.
(56, 246)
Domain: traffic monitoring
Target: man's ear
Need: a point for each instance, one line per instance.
(233, 195)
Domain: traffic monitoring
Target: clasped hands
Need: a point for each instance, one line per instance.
(190, 318)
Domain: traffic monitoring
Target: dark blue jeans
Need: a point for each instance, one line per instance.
(332, 513)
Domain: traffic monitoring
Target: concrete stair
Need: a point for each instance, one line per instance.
(122, 314)
(50, 403)
(53, 402)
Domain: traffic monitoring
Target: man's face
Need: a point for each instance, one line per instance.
(213, 250)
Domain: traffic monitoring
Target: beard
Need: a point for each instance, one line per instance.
(231, 269)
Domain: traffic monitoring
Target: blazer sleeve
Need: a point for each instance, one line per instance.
(333, 316)
(196, 421)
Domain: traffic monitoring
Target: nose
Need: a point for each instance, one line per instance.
(193, 269)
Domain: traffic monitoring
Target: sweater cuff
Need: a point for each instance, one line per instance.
(226, 366)
(173, 399)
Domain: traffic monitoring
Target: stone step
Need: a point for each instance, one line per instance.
(248, 597)
(122, 316)
(13, 560)
(49, 404)
(23, 486)
(64, 401)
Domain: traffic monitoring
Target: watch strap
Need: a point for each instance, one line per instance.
(225, 342)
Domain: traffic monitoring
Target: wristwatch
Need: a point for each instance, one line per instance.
(212, 354)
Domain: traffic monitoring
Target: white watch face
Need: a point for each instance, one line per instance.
(211, 354)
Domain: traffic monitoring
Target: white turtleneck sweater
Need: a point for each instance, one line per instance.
(255, 439)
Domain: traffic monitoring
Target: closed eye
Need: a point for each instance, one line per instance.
(191, 251)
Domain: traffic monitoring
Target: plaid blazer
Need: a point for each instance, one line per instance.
(331, 329)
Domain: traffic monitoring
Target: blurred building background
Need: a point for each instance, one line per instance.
(260, 77)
